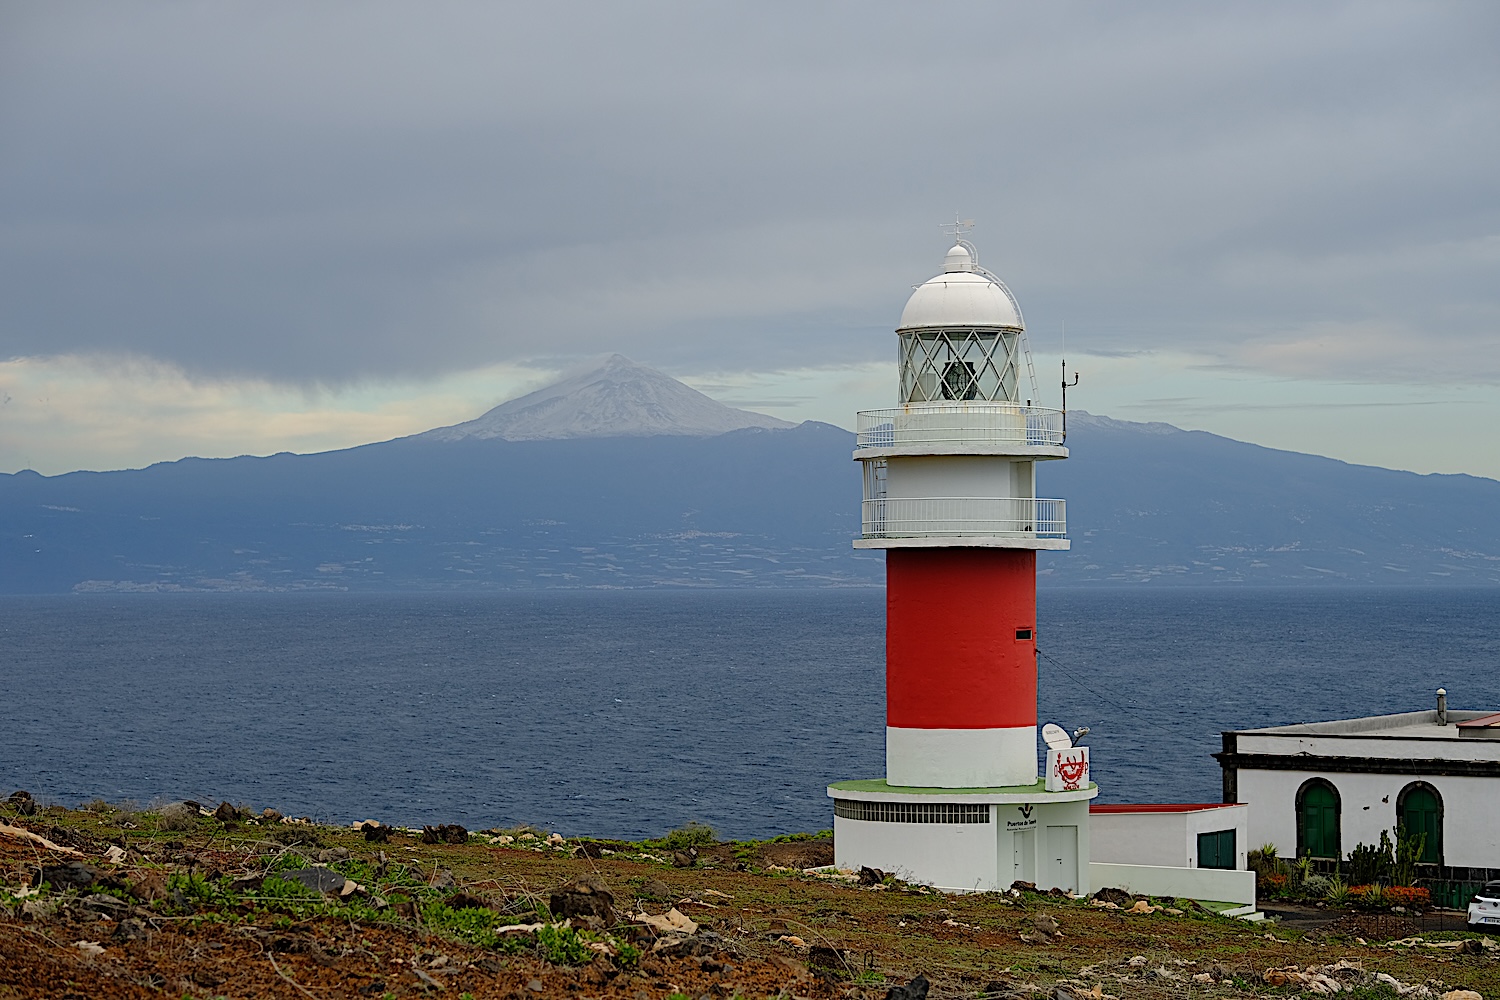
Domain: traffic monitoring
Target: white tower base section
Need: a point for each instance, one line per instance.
(960, 758)
(980, 841)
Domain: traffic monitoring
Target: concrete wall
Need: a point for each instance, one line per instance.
(1471, 811)
(1189, 883)
(1140, 838)
(1165, 838)
(958, 476)
(1034, 843)
(956, 856)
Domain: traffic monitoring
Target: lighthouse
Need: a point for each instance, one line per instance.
(950, 494)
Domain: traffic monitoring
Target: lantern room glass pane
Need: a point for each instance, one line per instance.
(940, 365)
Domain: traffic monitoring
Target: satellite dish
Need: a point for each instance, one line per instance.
(1056, 737)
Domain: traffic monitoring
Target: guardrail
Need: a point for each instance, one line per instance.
(947, 517)
(957, 423)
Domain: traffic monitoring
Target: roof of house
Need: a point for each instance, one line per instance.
(1402, 725)
(1161, 807)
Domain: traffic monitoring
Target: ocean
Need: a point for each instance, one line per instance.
(626, 714)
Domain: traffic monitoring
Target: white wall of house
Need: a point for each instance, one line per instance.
(1471, 811)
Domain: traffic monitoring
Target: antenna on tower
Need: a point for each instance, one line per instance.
(1066, 385)
(958, 228)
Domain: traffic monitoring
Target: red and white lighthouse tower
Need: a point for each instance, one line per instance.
(950, 494)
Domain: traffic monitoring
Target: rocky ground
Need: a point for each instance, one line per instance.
(184, 902)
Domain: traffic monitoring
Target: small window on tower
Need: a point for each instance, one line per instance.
(1023, 633)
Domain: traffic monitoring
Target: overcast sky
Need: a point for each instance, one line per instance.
(258, 226)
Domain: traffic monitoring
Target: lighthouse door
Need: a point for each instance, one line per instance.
(1062, 858)
(1023, 855)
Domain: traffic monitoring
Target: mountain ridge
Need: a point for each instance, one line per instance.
(754, 506)
(618, 399)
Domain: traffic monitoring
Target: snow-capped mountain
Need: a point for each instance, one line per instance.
(618, 399)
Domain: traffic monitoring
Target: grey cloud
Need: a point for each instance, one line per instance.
(328, 191)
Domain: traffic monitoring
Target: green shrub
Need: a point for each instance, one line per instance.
(1337, 893)
(194, 887)
(471, 924)
(280, 888)
(1368, 865)
(1264, 862)
(563, 946)
(1316, 886)
(1409, 848)
(177, 817)
(695, 834)
(1302, 870)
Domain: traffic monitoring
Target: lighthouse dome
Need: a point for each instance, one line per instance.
(959, 297)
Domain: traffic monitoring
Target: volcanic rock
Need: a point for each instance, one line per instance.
(73, 875)
(1110, 894)
(317, 878)
(131, 929)
(655, 889)
(914, 990)
(582, 898)
(445, 833)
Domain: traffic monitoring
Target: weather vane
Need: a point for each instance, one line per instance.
(958, 228)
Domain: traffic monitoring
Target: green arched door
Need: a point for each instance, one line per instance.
(1421, 811)
(1318, 822)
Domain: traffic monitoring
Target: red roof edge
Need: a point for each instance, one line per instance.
(1482, 722)
(1160, 807)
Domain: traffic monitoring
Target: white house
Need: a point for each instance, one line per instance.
(1322, 788)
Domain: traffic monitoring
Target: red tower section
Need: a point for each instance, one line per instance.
(960, 638)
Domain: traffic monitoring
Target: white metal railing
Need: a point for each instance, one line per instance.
(925, 517)
(959, 423)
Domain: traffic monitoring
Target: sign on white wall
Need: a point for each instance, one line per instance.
(1068, 769)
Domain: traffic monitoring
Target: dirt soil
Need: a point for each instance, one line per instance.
(216, 909)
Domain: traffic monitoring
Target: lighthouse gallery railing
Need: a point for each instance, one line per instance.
(925, 517)
(958, 423)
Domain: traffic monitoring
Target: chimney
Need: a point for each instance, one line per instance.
(1442, 711)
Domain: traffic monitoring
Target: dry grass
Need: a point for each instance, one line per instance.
(965, 945)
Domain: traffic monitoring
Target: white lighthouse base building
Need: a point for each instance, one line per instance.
(965, 839)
